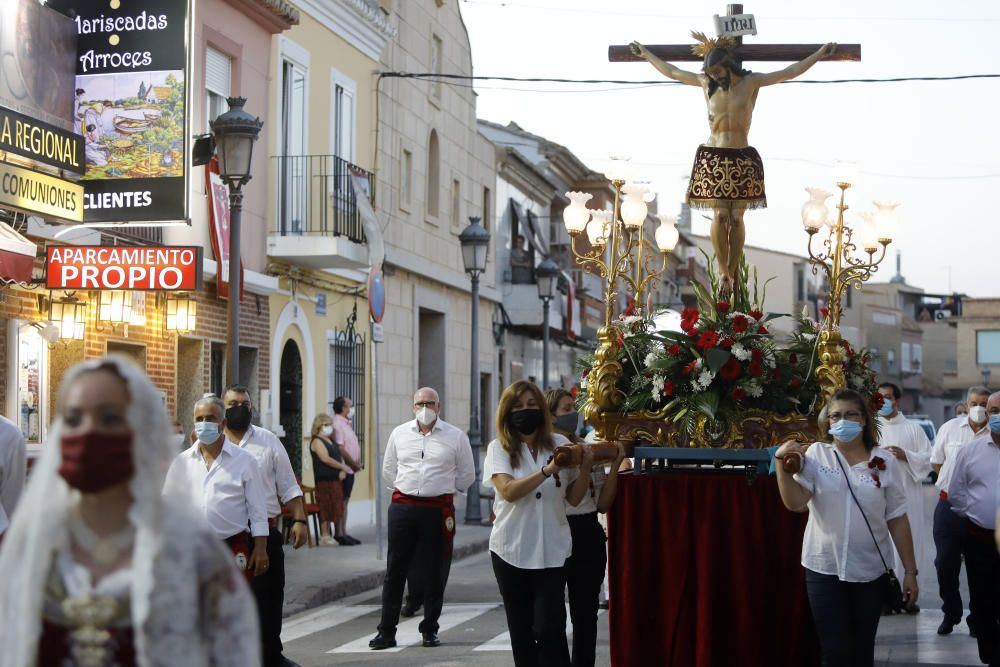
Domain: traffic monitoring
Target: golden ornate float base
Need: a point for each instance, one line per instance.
(754, 429)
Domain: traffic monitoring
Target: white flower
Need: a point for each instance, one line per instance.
(808, 336)
(740, 352)
(704, 380)
(658, 382)
(858, 381)
(755, 390)
(650, 358)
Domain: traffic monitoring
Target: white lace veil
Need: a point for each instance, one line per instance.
(38, 527)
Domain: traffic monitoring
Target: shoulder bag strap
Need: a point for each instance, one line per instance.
(871, 532)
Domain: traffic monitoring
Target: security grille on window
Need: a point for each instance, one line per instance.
(218, 83)
(347, 376)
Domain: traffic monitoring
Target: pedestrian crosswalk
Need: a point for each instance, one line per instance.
(346, 628)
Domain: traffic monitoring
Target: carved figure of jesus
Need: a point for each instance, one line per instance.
(728, 173)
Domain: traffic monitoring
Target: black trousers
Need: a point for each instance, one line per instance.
(269, 591)
(415, 540)
(983, 567)
(584, 578)
(846, 616)
(949, 534)
(536, 613)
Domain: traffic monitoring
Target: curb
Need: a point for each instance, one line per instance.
(366, 582)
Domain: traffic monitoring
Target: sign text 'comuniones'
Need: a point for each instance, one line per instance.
(120, 267)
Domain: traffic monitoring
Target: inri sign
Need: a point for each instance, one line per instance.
(173, 268)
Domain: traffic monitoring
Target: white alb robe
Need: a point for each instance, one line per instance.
(908, 435)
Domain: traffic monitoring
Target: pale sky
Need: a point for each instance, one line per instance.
(933, 146)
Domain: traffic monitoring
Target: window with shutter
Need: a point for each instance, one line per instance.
(218, 83)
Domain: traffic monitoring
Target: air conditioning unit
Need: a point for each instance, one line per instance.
(942, 314)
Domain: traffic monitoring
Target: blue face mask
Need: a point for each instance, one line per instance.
(887, 408)
(995, 424)
(207, 432)
(846, 430)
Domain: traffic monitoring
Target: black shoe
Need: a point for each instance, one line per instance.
(430, 639)
(915, 609)
(285, 662)
(353, 541)
(408, 611)
(382, 641)
(946, 627)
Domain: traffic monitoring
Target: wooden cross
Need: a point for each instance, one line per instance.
(747, 52)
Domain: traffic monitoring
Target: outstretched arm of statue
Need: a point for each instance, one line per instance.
(665, 68)
(795, 69)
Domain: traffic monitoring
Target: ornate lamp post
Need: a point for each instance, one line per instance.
(986, 372)
(629, 258)
(235, 132)
(836, 258)
(475, 242)
(546, 276)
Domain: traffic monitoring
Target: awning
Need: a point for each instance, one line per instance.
(17, 255)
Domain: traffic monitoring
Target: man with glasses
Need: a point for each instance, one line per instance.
(949, 529)
(427, 461)
(973, 495)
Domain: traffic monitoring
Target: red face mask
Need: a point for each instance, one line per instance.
(93, 462)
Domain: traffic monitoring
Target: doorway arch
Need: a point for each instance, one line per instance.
(290, 405)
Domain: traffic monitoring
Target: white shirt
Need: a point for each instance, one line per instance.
(13, 462)
(953, 435)
(531, 533)
(427, 465)
(589, 503)
(837, 540)
(230, 493)
(974, 491)
(275, 468)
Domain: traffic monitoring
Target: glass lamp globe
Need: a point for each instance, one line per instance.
(618, 169)
(667, 233)
(634, 209)
(575, 215)
(886, 220)
(597, 228)
(814, 211)
(845, 173)
(869, 235)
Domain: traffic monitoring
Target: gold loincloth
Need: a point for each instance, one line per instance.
(726, 178)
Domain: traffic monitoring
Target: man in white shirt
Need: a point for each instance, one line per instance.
(279, 483)
(974, 493)
(949, 529)
(13, 462)
(909, 445)
(427, 461)
(223, 481)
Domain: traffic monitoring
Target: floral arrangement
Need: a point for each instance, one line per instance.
(724, 361)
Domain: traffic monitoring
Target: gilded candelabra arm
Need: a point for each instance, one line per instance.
(651, 272)
(819, 261)
(592, 258)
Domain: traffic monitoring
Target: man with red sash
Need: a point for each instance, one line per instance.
(427, 461)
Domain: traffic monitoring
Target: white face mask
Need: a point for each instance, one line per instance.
(350, 413)
(326, 431)
(426, 416)
(977, 414)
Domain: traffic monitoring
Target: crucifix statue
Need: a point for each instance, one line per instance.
(728, 173)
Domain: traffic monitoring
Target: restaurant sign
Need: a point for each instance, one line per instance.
(168, 268)
(36, 140)
(39, 193)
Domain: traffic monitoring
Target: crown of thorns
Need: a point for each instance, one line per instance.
(706, 44)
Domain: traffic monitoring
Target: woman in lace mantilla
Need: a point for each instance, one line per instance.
(96, 569)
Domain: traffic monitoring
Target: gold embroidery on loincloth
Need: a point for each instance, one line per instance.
(727, 178)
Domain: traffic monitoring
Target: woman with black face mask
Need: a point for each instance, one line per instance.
(531, 539)
(586, 567)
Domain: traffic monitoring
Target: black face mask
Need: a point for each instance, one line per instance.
(527, 421)
(238, 417)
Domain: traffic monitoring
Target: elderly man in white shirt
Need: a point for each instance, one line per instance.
(974, 493)
(427, 461)
(949, 532)
(279, 483)
(13, 462)
(909, 445)
(223, 481)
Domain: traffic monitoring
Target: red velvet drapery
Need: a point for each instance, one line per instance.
(704, 571)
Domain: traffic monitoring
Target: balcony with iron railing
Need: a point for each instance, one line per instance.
(317, 220)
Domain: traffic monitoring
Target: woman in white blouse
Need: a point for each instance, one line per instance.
(845, 577)
(531, 540)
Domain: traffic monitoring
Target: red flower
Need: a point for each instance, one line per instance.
(669, 388)
(876, 400)
(731, 370)
(756, 355)
(708, 339)
(795, 383)
(740, 323)
(689, 368)
(793, 358)
(674, 350)
(739, 394)
(722, 306)
(824, 312)
(631, 308)
(621, 340)
(755, 369)
(756, 314)
(648, 374)
(689, 319)
(762, 329)
(877, 462)
(727, 342)
(776, 373)
(875, 478)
